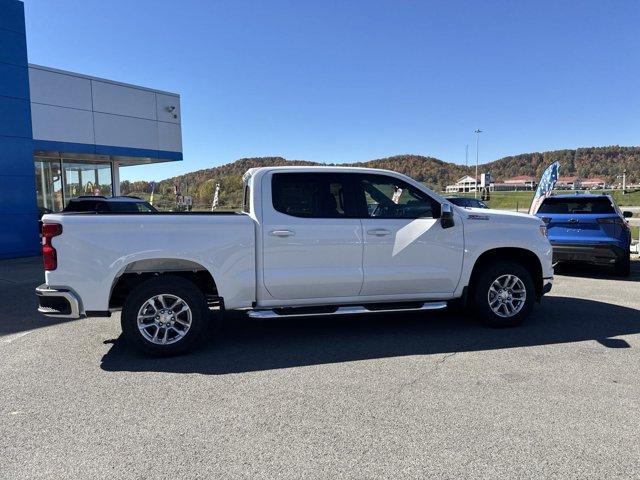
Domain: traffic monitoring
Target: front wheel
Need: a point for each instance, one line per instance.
(164, 316)
(503, 294)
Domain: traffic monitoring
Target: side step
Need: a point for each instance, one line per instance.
(346, 310)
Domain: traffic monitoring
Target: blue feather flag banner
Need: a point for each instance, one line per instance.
(547, 182)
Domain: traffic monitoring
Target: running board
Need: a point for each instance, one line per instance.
(347, 310)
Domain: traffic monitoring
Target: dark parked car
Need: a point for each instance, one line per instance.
(42, 211)
(109, 204)
(588, 228)
(467, 202)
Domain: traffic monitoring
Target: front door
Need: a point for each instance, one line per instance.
(406, 250)
(311, 237)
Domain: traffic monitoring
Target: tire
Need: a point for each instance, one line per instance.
(183, 327)
(623, 266)
(483, 300)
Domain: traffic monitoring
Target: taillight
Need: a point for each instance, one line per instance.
(614, 220)
(49, 255)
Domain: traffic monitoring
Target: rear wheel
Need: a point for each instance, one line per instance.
(623, 266)
(164, 316)
(503, 294)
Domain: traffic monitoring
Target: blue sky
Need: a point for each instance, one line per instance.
(352, 80)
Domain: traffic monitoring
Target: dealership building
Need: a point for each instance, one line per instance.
(65, 134)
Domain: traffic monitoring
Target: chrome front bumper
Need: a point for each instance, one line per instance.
(58, 302)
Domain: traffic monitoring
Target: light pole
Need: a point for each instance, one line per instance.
(466, 156)
(477, 132)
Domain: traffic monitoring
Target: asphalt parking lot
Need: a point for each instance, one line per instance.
(384, 396)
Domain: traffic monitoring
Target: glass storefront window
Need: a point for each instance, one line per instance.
(57, 181)
(49, 185)
(86, 179)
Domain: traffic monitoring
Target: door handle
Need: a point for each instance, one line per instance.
(380, 232)
(573, 220)
(281, 233)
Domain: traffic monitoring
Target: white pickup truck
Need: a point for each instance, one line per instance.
(310, 241)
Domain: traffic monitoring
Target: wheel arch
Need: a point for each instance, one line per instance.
(521, 256)
(139, 271)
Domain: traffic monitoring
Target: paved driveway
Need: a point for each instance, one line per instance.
(379, 396)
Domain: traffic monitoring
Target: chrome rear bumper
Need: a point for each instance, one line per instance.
(58, 302)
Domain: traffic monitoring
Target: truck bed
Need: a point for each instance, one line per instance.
(94, 249)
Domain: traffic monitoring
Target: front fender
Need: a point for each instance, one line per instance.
(483, 237)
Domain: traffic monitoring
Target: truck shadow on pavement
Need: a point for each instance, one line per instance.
(246, 345)
(18, 279)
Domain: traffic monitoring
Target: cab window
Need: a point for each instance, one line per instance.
(312, 195)
(388, 197)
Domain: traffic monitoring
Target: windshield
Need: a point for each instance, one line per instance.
(468, 202)
(577, 205)
(127, 207)
(82, 206)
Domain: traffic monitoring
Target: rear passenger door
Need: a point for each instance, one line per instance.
(311, 236)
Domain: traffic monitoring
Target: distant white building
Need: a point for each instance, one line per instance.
(526, 181)
(465, 184)
(568, 183)
(468, 184)
(515, 184)
(594, 183)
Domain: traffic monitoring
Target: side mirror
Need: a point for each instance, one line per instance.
(627, 214)
(446, 216)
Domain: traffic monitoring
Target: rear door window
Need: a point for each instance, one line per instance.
(313, 195)
(577, 206)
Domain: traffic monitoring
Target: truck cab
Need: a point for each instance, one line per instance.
(358, 236)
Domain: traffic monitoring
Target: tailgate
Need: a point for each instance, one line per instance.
(574, 227)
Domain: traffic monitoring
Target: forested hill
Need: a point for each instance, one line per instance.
(605, 162)
(236, 168)
(425, 169)
(433, 172)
